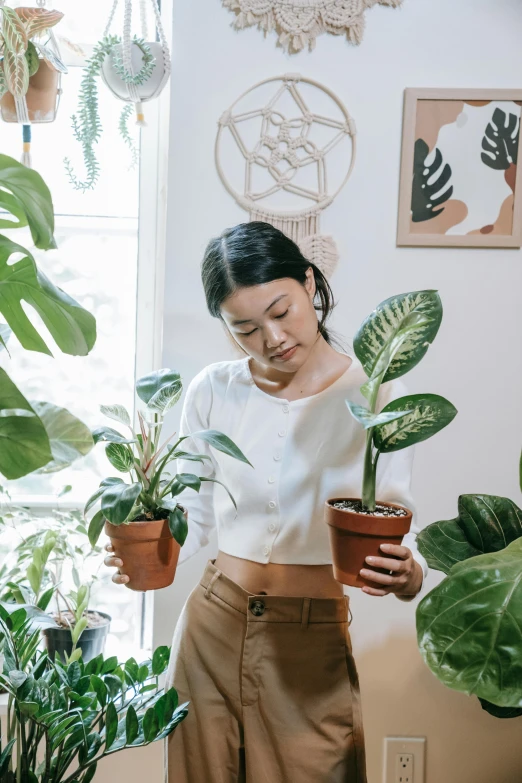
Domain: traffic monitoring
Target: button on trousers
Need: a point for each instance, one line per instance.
(272, 685)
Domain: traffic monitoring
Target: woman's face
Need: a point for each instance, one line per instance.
(275, 322)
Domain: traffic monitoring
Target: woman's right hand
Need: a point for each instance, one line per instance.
(114, 562)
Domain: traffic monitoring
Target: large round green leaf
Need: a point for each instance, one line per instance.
(469, 628)
(72, 327)
(429, 413)
(400, 331)
(70, 438)
(155, 383)
(24, 443)
(117, 501)
(30, 197)
(485, 523)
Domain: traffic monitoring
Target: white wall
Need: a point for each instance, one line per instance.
(475, 361)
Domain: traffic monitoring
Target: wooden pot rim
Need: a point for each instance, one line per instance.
(367, 524)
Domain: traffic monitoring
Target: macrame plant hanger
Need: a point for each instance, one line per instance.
(22, 112)
(299, 150)
(132, 92)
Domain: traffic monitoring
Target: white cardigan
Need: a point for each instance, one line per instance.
(303, 452)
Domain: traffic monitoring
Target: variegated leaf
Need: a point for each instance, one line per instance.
(116, 412)
(51, 58)
(166, 397)
(3, 84)
(369, 419)
(16, 74)
(13, 31)
(400, 330)
(36, 20)
(120, 456)
(430, 413)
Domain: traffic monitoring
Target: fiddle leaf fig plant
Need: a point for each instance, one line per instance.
(35, 435)
(142, 455)
(390, 342)
(469, 628)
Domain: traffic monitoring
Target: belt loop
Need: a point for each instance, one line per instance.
(211, 584)
(306, 613)
(348, 610)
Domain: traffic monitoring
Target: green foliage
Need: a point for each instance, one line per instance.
(500, 141)
(63, 719)
(86, 124)
(424, 198)
(40, 435)
(150, 493)
(390, 342)
(469, 627)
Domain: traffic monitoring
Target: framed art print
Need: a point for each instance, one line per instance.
(460, 183)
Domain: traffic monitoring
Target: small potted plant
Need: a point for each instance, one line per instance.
(146, 525)
(53, 568)
(62, 719)
(30, 68)
(390, 342)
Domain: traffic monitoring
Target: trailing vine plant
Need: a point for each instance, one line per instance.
(86, 124)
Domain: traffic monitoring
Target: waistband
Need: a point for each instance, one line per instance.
(273, 608)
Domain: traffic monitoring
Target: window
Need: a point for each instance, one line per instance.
(109, 259)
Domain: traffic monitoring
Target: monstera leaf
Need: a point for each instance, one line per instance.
(485, 523)
(427, 193)
(72, 327)
(28, 200)
(395, 337)
(24, 443)
(469, 628)
(69, 437)
(500, 141)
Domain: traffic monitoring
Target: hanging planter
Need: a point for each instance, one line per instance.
(135, 70)
(31, 68)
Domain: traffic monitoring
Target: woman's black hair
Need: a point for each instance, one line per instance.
(255, 253)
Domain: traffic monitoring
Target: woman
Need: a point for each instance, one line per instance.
(262, 649)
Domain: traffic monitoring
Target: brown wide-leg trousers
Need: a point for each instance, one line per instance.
(272, 685)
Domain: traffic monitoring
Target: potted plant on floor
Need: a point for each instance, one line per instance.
(30, 69)
(469, 626)
(146, 525)
(390, 342)
(63, 719)
(53, 567)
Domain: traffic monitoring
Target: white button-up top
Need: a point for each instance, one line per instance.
(303, 452)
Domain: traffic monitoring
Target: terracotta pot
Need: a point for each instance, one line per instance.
(148, 551)
(42, 97)
(353, 537)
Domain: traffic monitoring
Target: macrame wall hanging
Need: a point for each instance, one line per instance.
(284, 162)
(299, 22)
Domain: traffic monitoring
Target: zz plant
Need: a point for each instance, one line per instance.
(390, 342)
(469, 628)
(151, 493)
(63, 719)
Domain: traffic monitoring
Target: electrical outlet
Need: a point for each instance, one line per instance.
(404, 759)
(404, 768)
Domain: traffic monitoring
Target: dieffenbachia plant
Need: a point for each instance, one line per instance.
(390, 342)
(62, 719)
(35, 435)
(152, 491)
(469, 628)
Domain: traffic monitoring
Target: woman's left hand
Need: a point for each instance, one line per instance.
(405, 579)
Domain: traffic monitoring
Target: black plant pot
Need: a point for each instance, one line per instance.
(92, 640)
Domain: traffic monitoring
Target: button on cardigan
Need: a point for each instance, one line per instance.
(303, 452)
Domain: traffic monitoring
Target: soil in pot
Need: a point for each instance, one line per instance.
(356, 534)
(148, 551)
(92, 641)
(42, 97)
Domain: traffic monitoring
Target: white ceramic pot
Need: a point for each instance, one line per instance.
(147, 91)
